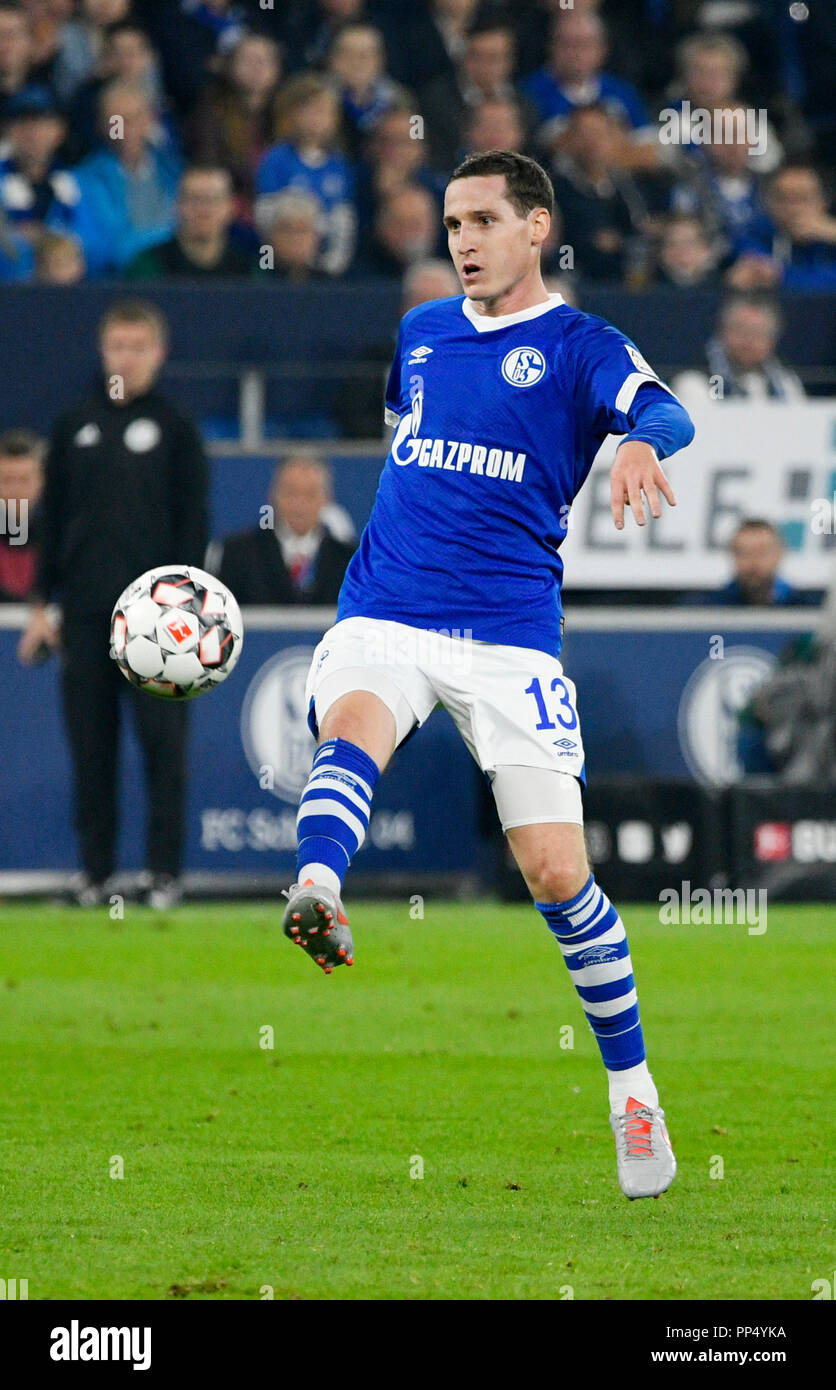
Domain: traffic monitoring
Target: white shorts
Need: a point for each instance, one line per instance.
(513, 706)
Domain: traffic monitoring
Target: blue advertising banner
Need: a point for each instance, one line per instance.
(658, 693)
(249, 754)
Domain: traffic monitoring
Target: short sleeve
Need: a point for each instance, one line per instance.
(609, 371)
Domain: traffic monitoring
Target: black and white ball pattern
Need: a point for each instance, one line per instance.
(176, 632)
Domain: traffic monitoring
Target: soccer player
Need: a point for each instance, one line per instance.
(500, 400)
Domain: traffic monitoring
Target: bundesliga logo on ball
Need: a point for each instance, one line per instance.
(176, 632)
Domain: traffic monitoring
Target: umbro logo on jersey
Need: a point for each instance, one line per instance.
(419, 354)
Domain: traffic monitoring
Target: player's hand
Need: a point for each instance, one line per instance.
(637, 470)
(41, 631)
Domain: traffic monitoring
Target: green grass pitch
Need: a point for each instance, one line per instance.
(293, 1169)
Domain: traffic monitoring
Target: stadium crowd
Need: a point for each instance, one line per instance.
(309, 141)
(312, 138)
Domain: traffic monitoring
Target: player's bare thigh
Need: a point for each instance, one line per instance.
(551, 858)
(362, 718)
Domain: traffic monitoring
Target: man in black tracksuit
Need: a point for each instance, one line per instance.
(126, 490)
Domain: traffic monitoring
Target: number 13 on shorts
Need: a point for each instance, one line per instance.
(555, 705)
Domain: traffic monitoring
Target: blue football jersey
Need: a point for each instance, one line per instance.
(498, 421)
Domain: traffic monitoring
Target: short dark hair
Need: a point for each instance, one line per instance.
(135, 311)
(751, 299)
(527, 185)
(757, 523)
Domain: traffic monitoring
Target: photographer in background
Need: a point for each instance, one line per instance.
(126, 490)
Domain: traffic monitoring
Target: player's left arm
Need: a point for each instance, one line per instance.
(619, 393)
(659, 426)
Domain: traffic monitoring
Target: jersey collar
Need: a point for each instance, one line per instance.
(483, 323)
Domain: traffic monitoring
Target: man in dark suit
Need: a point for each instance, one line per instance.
(293, 556)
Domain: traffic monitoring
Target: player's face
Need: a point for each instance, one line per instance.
(492, 246)
(134, 353)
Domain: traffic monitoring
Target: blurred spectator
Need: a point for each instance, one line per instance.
(297, 559)
(809, 52)
(16, 51)
(21, 480)
(787, 730)
(80, 43)
(720, 187)
(426, 41)
(357, 65)
(237, 118)
(484, 73)
(17, 258)
(742, 364)
(798, 249)
(59, 259)
(495, 124)
(46, 20)
(393, 157)
(191, 38)
(686, 255)
(756, 552)
(604, 215)
(126, 56)
(710, 68)
(433, 279)
(359, 407)
(307, 158)
(34, 182)
(293, 235)
(201, 247)
(406, 230)
(573, 78)
(310, 27)
(128, 187)
(646, 63)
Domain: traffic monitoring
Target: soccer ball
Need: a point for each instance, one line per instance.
(176, 632)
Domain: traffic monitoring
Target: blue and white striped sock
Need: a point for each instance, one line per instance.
(591, 936)
(334, 812)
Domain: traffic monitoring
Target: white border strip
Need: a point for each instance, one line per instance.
(13, 616)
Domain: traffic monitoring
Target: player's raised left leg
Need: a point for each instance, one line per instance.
(592, 939)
